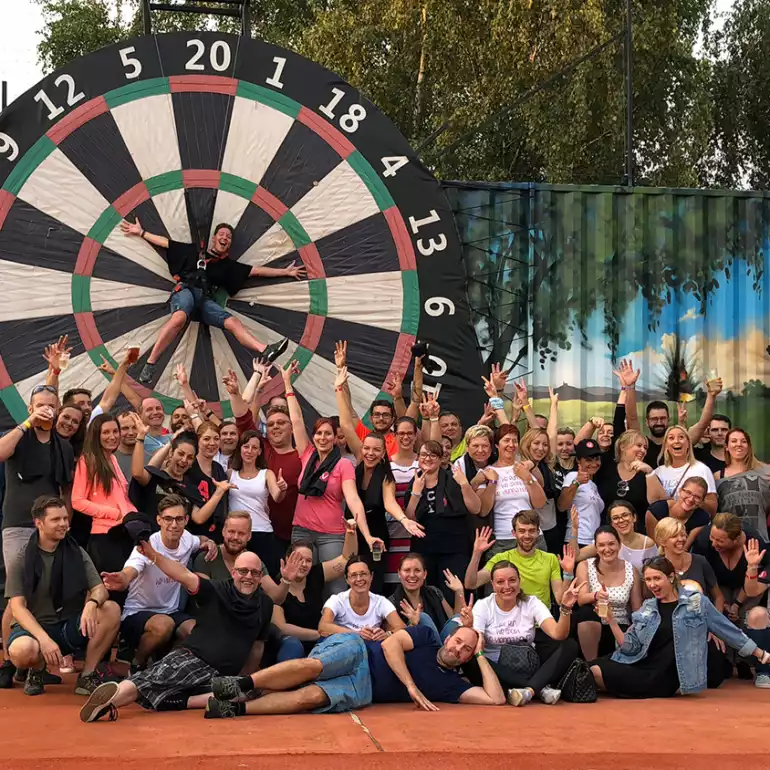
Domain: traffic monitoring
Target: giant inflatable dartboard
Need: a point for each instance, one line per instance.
(187, 130)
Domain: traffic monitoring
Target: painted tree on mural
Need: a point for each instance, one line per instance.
(542, 262)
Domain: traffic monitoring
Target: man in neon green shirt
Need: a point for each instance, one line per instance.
(542, 574)
(452, 428)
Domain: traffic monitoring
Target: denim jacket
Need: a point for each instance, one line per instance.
(693, 618)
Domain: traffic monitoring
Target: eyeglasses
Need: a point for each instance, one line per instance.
(657, 420)
(404, 434)
(381, 414)
(622, 489)
(358, 575)
(174, 519)
(691, 495)
(244, 571)
(277, 424)
(428, 456)
(44, 389)
(620, 517)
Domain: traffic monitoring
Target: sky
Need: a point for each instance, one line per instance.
(19, 35)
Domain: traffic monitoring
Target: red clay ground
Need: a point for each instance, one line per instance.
(726, 729)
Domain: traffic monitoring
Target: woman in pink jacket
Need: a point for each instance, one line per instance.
(100, 490)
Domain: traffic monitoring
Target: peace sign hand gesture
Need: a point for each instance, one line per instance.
(569, 598)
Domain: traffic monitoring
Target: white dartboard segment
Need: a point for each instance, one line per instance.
(294, 295)
(374, 299)
(108, 295)
(52, 293)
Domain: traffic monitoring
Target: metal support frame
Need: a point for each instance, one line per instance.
(629, 66)
(240, 10)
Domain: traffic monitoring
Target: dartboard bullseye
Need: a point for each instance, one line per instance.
(187, 130)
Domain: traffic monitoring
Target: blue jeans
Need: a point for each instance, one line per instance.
(291, 648)
(345, 677)
(206, 311)
(451, 624)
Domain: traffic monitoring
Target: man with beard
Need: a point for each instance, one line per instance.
(539, 571)
(228, 441)
(180, 420)
(234, 614)
(712, 453)
(198, 274)
(344, 672)
(128, 434)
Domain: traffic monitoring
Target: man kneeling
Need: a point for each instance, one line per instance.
(58, 602)
(233, 614)
(344, 672)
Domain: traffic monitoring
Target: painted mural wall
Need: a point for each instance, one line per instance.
(566, 281)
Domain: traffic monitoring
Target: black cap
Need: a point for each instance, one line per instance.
(587, 448)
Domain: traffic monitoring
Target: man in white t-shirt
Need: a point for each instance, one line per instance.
(357, 610)
(580, 490)
(151, 612)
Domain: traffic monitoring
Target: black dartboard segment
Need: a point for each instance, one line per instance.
(187, 130)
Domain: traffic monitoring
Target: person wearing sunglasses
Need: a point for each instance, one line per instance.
(38, 463)
(440, 500)
(233, 617)
(151, 613)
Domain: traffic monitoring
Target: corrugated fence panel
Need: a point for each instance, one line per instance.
(566, 281)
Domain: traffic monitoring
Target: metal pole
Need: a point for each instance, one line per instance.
(629, 95)
(3, 95)
(147, 17)
(246, 18)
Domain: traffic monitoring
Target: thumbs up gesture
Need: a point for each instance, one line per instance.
(281, 481)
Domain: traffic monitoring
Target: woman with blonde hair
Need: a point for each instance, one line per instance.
(535, 446)
(622, 475)
(479, 450)
(743, 487)
(691, 568)
(679, 464)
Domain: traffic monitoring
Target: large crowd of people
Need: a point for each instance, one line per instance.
(256, 565)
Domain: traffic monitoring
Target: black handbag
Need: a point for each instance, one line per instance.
(578, 685)
(520, 660)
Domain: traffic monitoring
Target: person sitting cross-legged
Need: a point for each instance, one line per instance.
(344, 672)
(234, 615)
(59, 604)
(151, 612)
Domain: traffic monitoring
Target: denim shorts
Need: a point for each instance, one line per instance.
(345, 677)
(66, 634)
(208, 312)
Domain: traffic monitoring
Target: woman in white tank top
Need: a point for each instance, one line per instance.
(253, 483)
(605, 579)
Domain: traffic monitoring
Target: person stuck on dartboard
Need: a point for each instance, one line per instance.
(198, 274)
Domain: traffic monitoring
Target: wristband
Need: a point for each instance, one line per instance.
(752, 577)
(339, 389)
(57, 372)
(496, 402)
(140, 440)
(91, 599)
(141, 234)
(432, 419)
(288, 393)
(285, 581)
(568, 576)
(491, 482)
(416, 494)
(628, 387)
(566, 611)
(195, 416)
(478, 654)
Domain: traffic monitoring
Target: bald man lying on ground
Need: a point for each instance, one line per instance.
(233, 615)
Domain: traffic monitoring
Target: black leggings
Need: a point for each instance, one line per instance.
(436, 563)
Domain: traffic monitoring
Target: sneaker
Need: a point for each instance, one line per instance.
(519, 696)
(762, 681)
(274, 350)
(21, 675)
(549, 695)
(226, 688)
(7, 670)
(220, 709)
(125, 653)
(100, 703)
(147, 373)
(87, 683)
(34, 683)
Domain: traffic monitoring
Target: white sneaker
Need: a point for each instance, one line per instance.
(519, 696)
(762, 681)
(549, 695)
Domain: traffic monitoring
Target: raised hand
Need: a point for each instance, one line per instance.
(418, 483)
(466, 615)
(291, 370)
(290, 566)
(626, 374)
(131, 228)
(459, 476)
(412, 614)
(340, 353)
(230, 381)
(574, 520)
(597, 422)
(141, 428)
(484, 540)
(41, 415)
(395, 387)
(567, 559)
(682, 414)
(714, 387)
(752, 553)
(488, 417)
(569, 597)
(52, 353)
(489, 388)
(432, 407)
(280, 481)
(180, 374)
(583, 477)
(295, 271)
(554, 397)
(106, 367)
(498, 376)
(453, 583)
(341, 378)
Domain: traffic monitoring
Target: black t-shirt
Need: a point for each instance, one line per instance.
(703, 453)
(445, 532)
(307, 614)
(698, 518)
(702, 573)
(21, 494)
(653, 452)
(182, 259)
(147, 497)
(200, 488)
(729, 578)
(218, 638)
(436, 683)
(612, 487)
